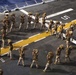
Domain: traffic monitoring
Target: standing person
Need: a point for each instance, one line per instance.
(10, 48)
(67, 38)
(22, 21)
(50, 26)
(67, 43)
(56, 26)
(67, 53)
(21, 56)
(35, 54)
(13, 21)
(43, 20)
(36, 22)
(29, 19)
(3, 37)
(4, 30)
(72, 26)
(60, 31)
(58, 53)
(1, 72)
(6, 23)
(69, 34)
(50, 56)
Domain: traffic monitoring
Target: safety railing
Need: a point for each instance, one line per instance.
(18, 5)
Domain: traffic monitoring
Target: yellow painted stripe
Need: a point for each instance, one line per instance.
(33, 39)
(70, 23)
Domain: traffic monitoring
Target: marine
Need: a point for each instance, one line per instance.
(29, 19)
(36, 21)
(21, 56)
(58, 53)
(35, 54)
(60, 31)
(50, 26)
(67, 53)
(10, 48)
(49, 57)
(13, 21)
(56, 26)
(22, 21)
(3, 37)
(43, 20)
(6, 23)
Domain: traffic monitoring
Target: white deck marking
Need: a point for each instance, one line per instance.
(46, 1)
(2, 60)
(25, 12)
(40, 20)
(46, 25)
(72, 40)
(59, 13)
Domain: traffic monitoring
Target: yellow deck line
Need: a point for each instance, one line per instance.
(32, 39)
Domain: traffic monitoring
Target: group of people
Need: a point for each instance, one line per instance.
(9, 22)
(50, 55)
